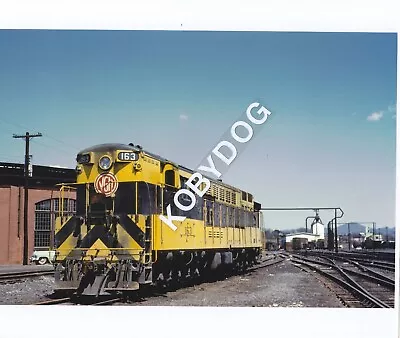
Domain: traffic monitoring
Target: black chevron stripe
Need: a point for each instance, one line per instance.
(132, 229)
(66, 230)
(99, 232)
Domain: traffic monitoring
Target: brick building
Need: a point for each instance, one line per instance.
(43, 205)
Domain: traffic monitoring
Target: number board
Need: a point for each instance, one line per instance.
(128, 156)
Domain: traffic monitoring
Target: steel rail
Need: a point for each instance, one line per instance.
(107, 302)
(54, 301)
(377, 277)
(264, 263)
(23, 274)
(348, 283)
(269, 262)
(375, 263)
(357, 285)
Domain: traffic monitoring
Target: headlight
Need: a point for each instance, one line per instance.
(83, 158)
(105, 162)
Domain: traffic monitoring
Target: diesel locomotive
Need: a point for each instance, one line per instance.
(117, 242)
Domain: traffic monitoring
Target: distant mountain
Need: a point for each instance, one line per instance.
(356, 228)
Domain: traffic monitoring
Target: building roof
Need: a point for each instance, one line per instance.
(42, 176)
(302, 233)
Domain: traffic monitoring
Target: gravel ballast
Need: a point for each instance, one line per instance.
(280, 285)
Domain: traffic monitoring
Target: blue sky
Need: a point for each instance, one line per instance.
(330, 140)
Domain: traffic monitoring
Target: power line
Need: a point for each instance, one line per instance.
(44, 134)
(52, 147)
(62, 142)
(12, 123)
(6, 128)
(48, 146)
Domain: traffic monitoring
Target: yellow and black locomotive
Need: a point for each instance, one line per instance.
(117, 241)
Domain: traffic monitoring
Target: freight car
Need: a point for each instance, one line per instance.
(117, 242)
(299, 243)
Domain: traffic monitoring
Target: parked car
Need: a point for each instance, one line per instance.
(41, 257)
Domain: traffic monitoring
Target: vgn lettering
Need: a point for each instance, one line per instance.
(264, 113)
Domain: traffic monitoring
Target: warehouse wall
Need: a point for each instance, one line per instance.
(12, 220)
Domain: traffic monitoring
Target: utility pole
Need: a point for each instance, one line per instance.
(336, 236)
(348, 236)
(27, 137)
(373, 236)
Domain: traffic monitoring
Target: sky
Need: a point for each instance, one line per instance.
(329, 142)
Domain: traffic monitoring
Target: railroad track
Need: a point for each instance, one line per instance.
(74, 301)
(364, 289)
(55, 301)
(275, 259)
(382, 256)
(14, 276)
(384, 265)
(365, 264)
(265, 263)
(373, 263)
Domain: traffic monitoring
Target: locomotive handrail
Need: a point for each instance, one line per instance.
(67, 184)
(61, 199)
(101, 249)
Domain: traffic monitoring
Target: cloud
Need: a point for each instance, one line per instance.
(353, 114)
(183, 117)
(392, 108)
(376, 116)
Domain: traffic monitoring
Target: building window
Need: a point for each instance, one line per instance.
(45, 213)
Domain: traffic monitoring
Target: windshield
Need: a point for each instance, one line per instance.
(130, 198)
